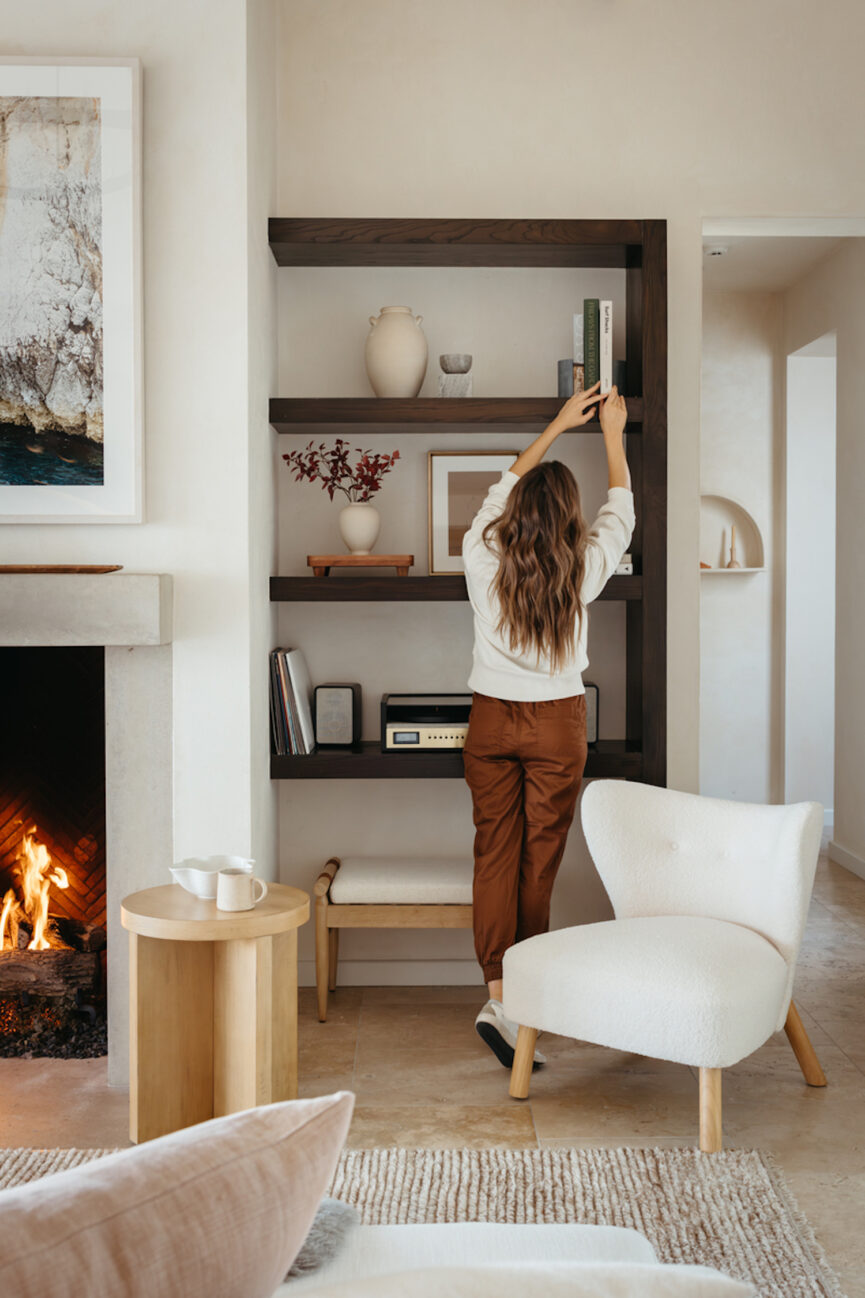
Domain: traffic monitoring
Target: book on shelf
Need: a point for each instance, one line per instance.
(578, 339)
(592, 340)
(290, 704)
(593, 347)
(605, 372)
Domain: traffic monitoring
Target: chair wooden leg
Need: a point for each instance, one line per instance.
(333, 953)
(802, 1048)
(711, 1139)
(521, 1070)
(322, 956)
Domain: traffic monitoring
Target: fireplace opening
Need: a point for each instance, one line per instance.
(52, 852)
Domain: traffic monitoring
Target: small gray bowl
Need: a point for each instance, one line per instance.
(455, 362)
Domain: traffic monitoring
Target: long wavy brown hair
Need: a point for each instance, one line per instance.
(541, 539)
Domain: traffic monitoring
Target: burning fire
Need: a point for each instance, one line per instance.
(37, 874)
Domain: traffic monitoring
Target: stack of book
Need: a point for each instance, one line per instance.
(290, 711)
(593, 345)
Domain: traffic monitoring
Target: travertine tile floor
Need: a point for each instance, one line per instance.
(422, 1077)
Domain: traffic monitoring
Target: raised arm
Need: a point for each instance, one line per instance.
(576, 411)
(613, 417)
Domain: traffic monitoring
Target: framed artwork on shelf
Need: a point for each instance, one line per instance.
(70, 291)
(458, 483)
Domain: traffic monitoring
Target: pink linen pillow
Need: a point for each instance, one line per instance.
(218, 1210)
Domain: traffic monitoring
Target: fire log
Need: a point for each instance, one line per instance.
(48, 973)
(79, 935)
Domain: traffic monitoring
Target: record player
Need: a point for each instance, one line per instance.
(424, 723)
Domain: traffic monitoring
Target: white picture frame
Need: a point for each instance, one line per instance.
(458, 484)
(100, 486)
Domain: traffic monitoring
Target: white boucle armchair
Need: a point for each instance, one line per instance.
(710, 899)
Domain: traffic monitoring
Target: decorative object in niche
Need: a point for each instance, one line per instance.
(359, 521)
(396, 352)
(733, 562)
(70, 292)
(458, 483)
(456, 379)
(719, 516)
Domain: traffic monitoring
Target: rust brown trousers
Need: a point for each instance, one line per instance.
(524, 765)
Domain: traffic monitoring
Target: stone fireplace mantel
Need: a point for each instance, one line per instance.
(115, 608)
(130, 615)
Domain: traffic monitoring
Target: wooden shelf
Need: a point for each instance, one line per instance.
(317, 416)
(449, 242)
(446, 588)
(609, 758)
(728, 572)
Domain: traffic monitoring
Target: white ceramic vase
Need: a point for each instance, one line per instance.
(396, 352)
(359, 525)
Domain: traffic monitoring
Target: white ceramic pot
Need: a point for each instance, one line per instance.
(359, 525)
(396, 352)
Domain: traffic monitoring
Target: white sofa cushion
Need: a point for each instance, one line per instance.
(546, 1280)
(404, 881)
(378, 1250)
(697, 991)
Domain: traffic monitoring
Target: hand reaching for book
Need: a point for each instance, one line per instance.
(613, 413)
(578, 409)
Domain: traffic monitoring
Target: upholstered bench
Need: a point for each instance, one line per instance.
(385, 892)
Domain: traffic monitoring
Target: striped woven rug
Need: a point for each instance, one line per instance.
(731, 1210)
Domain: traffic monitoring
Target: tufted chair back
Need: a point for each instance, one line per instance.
(661, 852)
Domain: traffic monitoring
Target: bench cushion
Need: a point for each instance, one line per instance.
(403, 881)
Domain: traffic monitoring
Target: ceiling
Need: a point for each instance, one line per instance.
(762, 263)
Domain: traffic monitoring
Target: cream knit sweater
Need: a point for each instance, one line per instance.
(497, 670)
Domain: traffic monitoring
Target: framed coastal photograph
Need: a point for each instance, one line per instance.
(70, 291)
(458, 483)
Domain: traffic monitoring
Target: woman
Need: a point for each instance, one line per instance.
(531, 567)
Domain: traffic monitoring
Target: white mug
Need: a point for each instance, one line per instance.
(235, 890)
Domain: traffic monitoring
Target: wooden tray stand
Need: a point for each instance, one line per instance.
(321, 564)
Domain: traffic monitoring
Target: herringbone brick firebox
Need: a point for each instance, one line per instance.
(52, 770)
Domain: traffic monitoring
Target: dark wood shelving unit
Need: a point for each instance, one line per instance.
(319, 416)
(638, 247)
(444, 589)
(399, 242)
(609, 757)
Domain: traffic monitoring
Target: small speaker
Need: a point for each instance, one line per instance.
(337, 715)
(591, 713)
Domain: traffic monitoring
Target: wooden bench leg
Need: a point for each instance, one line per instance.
(802, 1048)
(322, 956)
(333, 956)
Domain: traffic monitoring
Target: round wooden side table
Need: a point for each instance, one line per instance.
(213, 1005)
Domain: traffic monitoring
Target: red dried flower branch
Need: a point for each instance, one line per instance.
(330, 466)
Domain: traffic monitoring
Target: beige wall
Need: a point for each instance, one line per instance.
(499, 108)
(204, 518)
(809, 654)
(828, 299)
(261, 161)
(739, 429)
